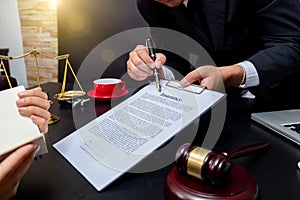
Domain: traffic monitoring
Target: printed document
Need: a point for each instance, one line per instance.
(114, 142)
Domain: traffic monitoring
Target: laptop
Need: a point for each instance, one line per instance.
(284, 122)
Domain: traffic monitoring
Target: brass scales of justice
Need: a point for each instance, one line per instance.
(63, 95)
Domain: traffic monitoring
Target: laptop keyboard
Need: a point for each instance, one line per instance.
(293, 126)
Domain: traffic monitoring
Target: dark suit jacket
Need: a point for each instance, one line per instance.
(264, 32)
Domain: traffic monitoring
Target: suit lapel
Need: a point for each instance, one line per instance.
(215, 16)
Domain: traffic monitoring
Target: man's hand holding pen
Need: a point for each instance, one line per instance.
(140, 65)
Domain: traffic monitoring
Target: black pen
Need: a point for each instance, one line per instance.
(151, 50)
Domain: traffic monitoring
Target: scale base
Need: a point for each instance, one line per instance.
(69, 95)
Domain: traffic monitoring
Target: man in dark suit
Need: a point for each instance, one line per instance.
(254, 43)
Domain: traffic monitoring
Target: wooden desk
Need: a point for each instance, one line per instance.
(53, 177)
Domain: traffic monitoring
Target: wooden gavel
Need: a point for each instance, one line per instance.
(209, 166)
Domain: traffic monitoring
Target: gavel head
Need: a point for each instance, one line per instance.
(203, 164)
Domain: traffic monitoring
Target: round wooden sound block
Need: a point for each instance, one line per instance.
(240, 185)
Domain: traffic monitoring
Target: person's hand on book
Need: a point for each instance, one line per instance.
(34, 103)
(13, 168)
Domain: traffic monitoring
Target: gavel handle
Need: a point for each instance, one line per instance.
(246, 150)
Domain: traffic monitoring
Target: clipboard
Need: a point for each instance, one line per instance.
(195, 89)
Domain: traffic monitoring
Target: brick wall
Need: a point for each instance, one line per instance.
(39, 30)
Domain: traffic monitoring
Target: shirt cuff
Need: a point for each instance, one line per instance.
(251, 74)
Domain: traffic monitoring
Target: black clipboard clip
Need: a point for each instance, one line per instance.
(196, 89)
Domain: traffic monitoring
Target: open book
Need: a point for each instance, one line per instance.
(16, 130)
(119, 139)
